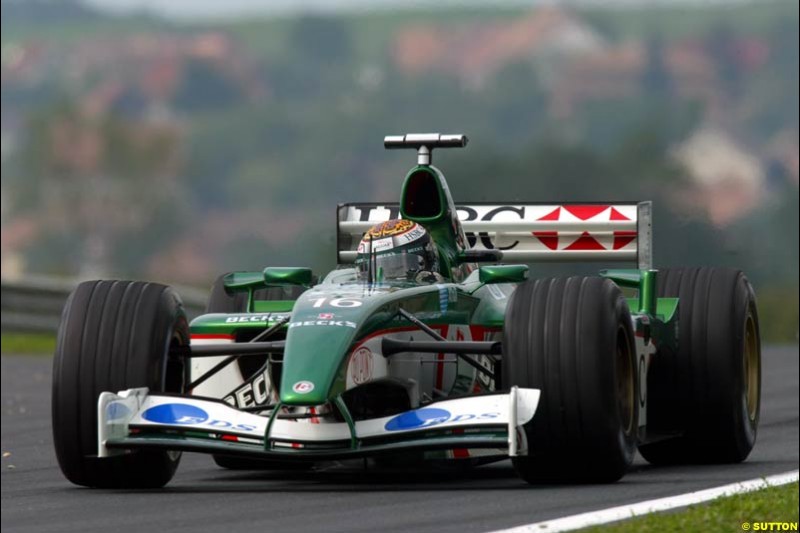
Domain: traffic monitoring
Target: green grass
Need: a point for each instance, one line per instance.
(27, 343)
(726, 515)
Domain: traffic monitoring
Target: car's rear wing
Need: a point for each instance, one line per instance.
(528, 232)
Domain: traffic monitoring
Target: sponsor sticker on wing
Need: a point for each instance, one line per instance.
(419, 418)
(117, 411)
(175, 413)
(336, 323)
(250, 317)
(186, 414)
(431, 416)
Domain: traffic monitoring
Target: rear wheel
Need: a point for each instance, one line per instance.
(710, 390)
(220, 301)
(114, 335)
(572, 338)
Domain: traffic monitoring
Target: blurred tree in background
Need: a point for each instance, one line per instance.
(134, 146)
(104, 191)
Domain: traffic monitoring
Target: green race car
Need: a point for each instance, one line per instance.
(429, 342)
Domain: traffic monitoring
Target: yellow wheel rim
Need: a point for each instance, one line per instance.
(752, 358)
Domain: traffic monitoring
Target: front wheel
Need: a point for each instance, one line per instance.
(572, 338)
(114, 335)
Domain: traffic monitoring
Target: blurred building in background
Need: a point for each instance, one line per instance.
(142, 146)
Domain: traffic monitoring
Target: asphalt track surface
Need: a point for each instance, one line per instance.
(203, 497)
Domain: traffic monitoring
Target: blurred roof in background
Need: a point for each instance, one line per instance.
(199, 9)
(171, 140)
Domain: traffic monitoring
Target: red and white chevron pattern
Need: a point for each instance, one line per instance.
(585, 240)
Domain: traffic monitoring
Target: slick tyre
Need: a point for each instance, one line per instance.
(220, 301)
(114, 335)
(572, 339)
(709, 391)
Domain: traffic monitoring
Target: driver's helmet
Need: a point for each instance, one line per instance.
(398, 250)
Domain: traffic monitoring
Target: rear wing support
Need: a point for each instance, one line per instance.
(530, 232)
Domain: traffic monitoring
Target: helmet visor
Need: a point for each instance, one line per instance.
(402, 266)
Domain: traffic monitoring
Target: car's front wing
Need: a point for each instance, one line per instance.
(134, 419)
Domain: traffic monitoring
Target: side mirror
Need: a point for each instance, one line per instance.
(243, 281)
(287, 276)
(270, 277)
(503, 273)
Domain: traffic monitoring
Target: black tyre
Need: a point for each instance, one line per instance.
(114, 335)
(572, 338)
(709, 391)
(220, 301)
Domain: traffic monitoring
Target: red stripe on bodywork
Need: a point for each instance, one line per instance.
(460, 453)
(212, 336)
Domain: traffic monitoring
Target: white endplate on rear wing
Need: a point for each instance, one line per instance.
(134, 409)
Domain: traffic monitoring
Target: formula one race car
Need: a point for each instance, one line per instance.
(428, 342)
